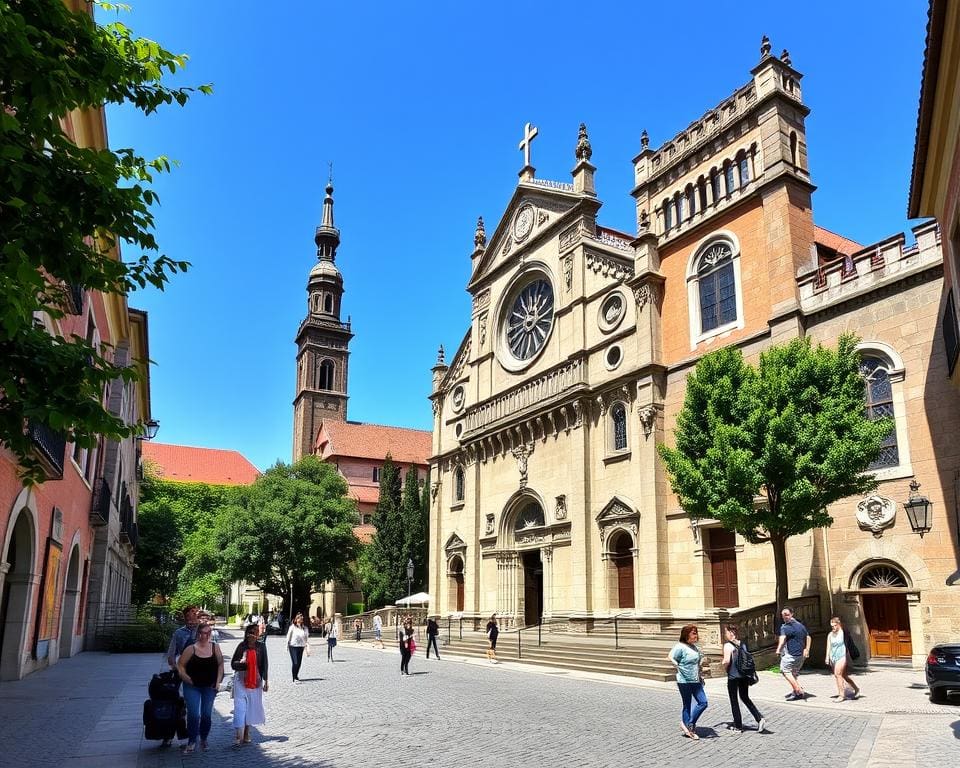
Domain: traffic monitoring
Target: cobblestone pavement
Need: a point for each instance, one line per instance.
(85, 712)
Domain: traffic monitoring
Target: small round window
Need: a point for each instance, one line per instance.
(612, 310)
(614, 357)
(459, 396)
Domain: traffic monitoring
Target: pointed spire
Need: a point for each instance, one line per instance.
(644, 139)
(785, 57)
(327, 236)
(765, 47)
(584, 150)
(440, 355)
(480, 236)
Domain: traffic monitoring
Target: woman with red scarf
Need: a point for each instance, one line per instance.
(250, 683)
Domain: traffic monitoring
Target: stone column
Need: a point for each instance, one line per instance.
(546, 558)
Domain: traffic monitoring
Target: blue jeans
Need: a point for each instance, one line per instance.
(199, 703)
(690, 692)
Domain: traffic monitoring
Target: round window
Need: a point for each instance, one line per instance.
(613, 357)
(459, 395)
(611, 311)
(528, 320)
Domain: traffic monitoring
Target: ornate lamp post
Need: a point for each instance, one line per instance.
(919, 510)
(409, 579)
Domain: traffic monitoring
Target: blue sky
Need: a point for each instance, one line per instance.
(420, 106)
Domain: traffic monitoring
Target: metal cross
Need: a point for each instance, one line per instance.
(529, 133)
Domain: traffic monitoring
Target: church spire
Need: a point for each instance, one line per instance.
(327, 236)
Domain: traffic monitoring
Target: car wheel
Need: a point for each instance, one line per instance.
(938, 695)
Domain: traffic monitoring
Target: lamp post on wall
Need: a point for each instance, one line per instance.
(409, 579)
(918, 510)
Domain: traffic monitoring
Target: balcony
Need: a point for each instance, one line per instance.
(50, 448)
(74, 298)
(102, 501)
(126, 520)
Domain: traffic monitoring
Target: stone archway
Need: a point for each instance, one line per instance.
(622, 571)
(455, 587)
(19, 581)
(71, 602)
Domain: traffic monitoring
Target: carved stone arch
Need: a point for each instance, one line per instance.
(697, 251)
(620, 513)
(519, 503)
(455, 548)
(19, 577)
(884, 552)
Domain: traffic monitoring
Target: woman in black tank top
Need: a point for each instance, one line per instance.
(201, 669)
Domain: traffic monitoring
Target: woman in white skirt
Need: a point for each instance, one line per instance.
(250, 683)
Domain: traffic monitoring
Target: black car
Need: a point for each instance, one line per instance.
(943, 671)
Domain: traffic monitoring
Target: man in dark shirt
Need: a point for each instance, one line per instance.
(793, 646)
(433, 629)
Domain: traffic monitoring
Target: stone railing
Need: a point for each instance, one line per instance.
(542, 388)
(609, 238)
(561, 185)
(758, 625)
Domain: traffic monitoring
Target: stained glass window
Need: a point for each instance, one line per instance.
(530, 320)
(458, 484)
(718, 292)
(618, 415)
(879, 393)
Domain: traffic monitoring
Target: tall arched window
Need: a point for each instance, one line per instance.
(678, 205)
(459, 484)
(691, 196)
(715, 185)
(667, 215)
(702, 191)
(879, 396)
(325, 375)
(618, 424)
(729, 177)
(743, 162)
(717, 287)
(328, 303)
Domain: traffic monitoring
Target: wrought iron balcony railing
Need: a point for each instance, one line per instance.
(102, 501)
(50, 447)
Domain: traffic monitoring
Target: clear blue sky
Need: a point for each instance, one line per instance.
(420, 107)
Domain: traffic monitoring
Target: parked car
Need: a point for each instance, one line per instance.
(943, 671)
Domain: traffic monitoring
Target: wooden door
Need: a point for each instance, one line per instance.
(459, 578)
(623, 561)
(723, 568)
(888, 623)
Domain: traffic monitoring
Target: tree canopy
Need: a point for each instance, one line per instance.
(64, 209)
(383, 566)
(765, 450)
(289, 532)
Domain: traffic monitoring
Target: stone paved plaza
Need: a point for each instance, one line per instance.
(85, 712)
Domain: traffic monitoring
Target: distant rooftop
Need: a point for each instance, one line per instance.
(188, 464)
(373, 441)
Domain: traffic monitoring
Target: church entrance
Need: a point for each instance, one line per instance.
(622, 558)
(456, 583)
(532, 587)
(723, 567)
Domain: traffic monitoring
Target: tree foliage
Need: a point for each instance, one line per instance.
(64, 209)
(289, 532)
(384, 565)
(415, 541)
(765, 450)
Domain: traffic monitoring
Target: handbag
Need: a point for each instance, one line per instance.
(413, 645)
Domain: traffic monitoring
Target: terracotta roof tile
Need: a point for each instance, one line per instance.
(365, 494)
(835, 242)
(373, 441)
(187, 464)
(364, 533)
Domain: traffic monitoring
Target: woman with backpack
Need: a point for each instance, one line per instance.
(741, 674)
(840, 649)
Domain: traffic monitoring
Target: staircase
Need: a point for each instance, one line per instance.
(636, 657)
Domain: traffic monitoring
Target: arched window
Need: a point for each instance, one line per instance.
(325, 375)
(743, 162)
(691, 201)
(729, 177)
(715, 185)
(667, 215)
(702, 189)
(678, 205)
(717, 287)
(618, 424)
(328, 303)
(879, 396)
(459, 483)
(531, 516)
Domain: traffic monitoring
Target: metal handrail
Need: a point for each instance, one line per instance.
(616, 631)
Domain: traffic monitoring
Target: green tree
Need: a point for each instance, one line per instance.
(385, 559)
(65, 208)
(765, 450)
(414, 529)
(290, 531)
(159, 552)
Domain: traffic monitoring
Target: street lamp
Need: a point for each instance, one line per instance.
(152, 427)
(409, 578)
(918, 510)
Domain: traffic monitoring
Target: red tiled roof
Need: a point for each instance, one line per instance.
(186, 464)
(364, 533)
(373, 441)
(365, 494)
(835, 242)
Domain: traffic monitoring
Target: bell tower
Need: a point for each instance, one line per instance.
(322, 341)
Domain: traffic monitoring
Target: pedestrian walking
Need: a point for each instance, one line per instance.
(738, 683)
(840, 650)
(250, 661)
(793, 646)
(182, 638)
(378, 629)
(201, 669)
(358, 627)
(433, 629)
(407, 645)
(333, 633)
(298, 643)
(687, 658)
(493, 632)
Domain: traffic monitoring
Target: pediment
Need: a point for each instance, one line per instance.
(458, 363)
(618, 509)
(454, 544)
(536, 207)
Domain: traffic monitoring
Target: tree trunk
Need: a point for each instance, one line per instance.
(779, 544)
(301, 600)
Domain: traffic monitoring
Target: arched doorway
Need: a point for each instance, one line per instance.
(883, 591)
(532, 587)
(15, 600)
(621, 556)
(71, 599)
(528, 537)
(456, 583)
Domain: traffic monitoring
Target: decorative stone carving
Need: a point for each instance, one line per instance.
(542, 217)
(434, 490)
(435, 405)
(561, 511)
(584, 150)
(607, 266)
(568, 271)
(455, 545)
(648, 416)
(875, 514)
(765, 46)
(488, 527)
(483, 329)
(521, 453)
(644, 140)
(569, 236)
(643, 294)
(480, 235)
(481, 300)
(644, 222)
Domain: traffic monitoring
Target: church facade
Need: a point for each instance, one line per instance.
(549, 500)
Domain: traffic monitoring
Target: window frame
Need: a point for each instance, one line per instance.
(459, 485)
(614, 447)
(896, 373)
(697, 333)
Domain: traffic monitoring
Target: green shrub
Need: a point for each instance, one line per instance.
(353, 608)
(144, 635)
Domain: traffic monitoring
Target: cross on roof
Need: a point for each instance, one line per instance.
(529, 133)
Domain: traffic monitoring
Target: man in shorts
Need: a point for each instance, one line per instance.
(793, 645)
(378, 629)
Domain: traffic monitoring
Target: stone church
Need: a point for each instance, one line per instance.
(549, 500)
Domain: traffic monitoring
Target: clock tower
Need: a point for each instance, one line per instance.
(322, 342)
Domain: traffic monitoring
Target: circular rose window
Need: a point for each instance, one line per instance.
(529, 320)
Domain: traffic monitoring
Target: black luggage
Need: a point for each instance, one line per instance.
(164, 719)
(164, 686)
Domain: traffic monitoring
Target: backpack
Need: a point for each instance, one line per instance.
(746, 665)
